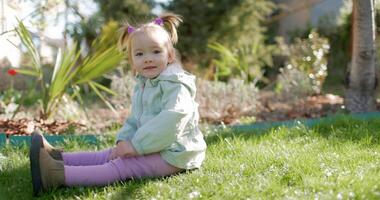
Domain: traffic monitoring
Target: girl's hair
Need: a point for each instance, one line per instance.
(170, 23)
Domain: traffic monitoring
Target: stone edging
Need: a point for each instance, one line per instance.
(53, 139)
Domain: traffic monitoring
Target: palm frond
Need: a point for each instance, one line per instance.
(26, 39)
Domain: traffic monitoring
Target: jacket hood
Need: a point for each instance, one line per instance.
(174, 73)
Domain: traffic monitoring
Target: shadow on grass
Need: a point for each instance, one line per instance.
(342, 129)
(364, 132)
(16, 183)
(129, 189)
(231, 133)
(120, 190)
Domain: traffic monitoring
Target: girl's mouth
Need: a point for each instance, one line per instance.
(149, 67)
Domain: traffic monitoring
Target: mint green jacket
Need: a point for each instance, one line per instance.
(165, 118)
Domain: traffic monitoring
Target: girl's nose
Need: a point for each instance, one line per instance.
(148, 60)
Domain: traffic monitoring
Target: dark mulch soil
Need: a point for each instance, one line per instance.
(272, 109)
(26, 126)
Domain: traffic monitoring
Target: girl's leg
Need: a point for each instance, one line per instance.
(86, 158)
(118, 170)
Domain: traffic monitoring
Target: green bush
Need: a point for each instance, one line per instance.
(228, 22)
(246, 63)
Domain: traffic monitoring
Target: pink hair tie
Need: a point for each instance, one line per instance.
(159, 21)
(130, 29)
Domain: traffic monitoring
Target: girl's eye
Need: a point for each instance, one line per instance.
(139, 54)
(156, 51)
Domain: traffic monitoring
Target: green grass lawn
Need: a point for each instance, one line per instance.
(330, 161)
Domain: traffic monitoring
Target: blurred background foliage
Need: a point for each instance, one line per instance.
(219, 41)
(109, 13)
(228, 22)
(246, 29)
(223, 40)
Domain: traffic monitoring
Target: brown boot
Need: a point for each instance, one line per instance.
(46, 172)
(54, 152)
(52, 171)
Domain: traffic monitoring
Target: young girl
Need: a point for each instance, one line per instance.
(161, 136)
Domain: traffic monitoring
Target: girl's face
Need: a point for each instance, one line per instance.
(150, 54)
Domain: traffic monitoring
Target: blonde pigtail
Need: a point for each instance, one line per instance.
(171, 22)
(124, 35)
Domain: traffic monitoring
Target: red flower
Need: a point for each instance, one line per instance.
(12, 72)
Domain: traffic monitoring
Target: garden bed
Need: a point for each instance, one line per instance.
(273, 109)
(17, 132)
(26, 126)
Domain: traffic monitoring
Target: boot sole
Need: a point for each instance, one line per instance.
(34, 156)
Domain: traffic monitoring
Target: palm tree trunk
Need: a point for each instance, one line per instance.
(362, 80)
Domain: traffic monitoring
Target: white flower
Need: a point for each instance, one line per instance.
(194, 194)
(339, 196)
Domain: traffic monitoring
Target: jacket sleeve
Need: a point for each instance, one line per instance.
(128, 130)
(163, 130)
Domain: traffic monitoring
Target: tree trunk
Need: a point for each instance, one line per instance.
(362, 80)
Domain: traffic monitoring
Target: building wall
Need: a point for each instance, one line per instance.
(301, 14)
(327, 8)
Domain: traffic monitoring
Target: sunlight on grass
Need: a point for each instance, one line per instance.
(331, 161)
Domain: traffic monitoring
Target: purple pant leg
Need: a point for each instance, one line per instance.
(118, 170)
(86, 158)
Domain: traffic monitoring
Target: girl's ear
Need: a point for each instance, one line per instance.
(171, 56)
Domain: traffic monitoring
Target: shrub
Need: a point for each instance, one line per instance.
(292, 84)
(218, 101)
(123, 84)
(226, 102)
(246, 62)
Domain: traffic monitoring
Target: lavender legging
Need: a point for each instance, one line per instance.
(94, 168)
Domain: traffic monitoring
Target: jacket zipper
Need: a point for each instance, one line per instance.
(141, 104)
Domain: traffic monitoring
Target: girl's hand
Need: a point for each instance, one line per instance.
(123, 149)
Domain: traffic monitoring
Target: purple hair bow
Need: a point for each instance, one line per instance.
(130, 29)
(159, 21)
